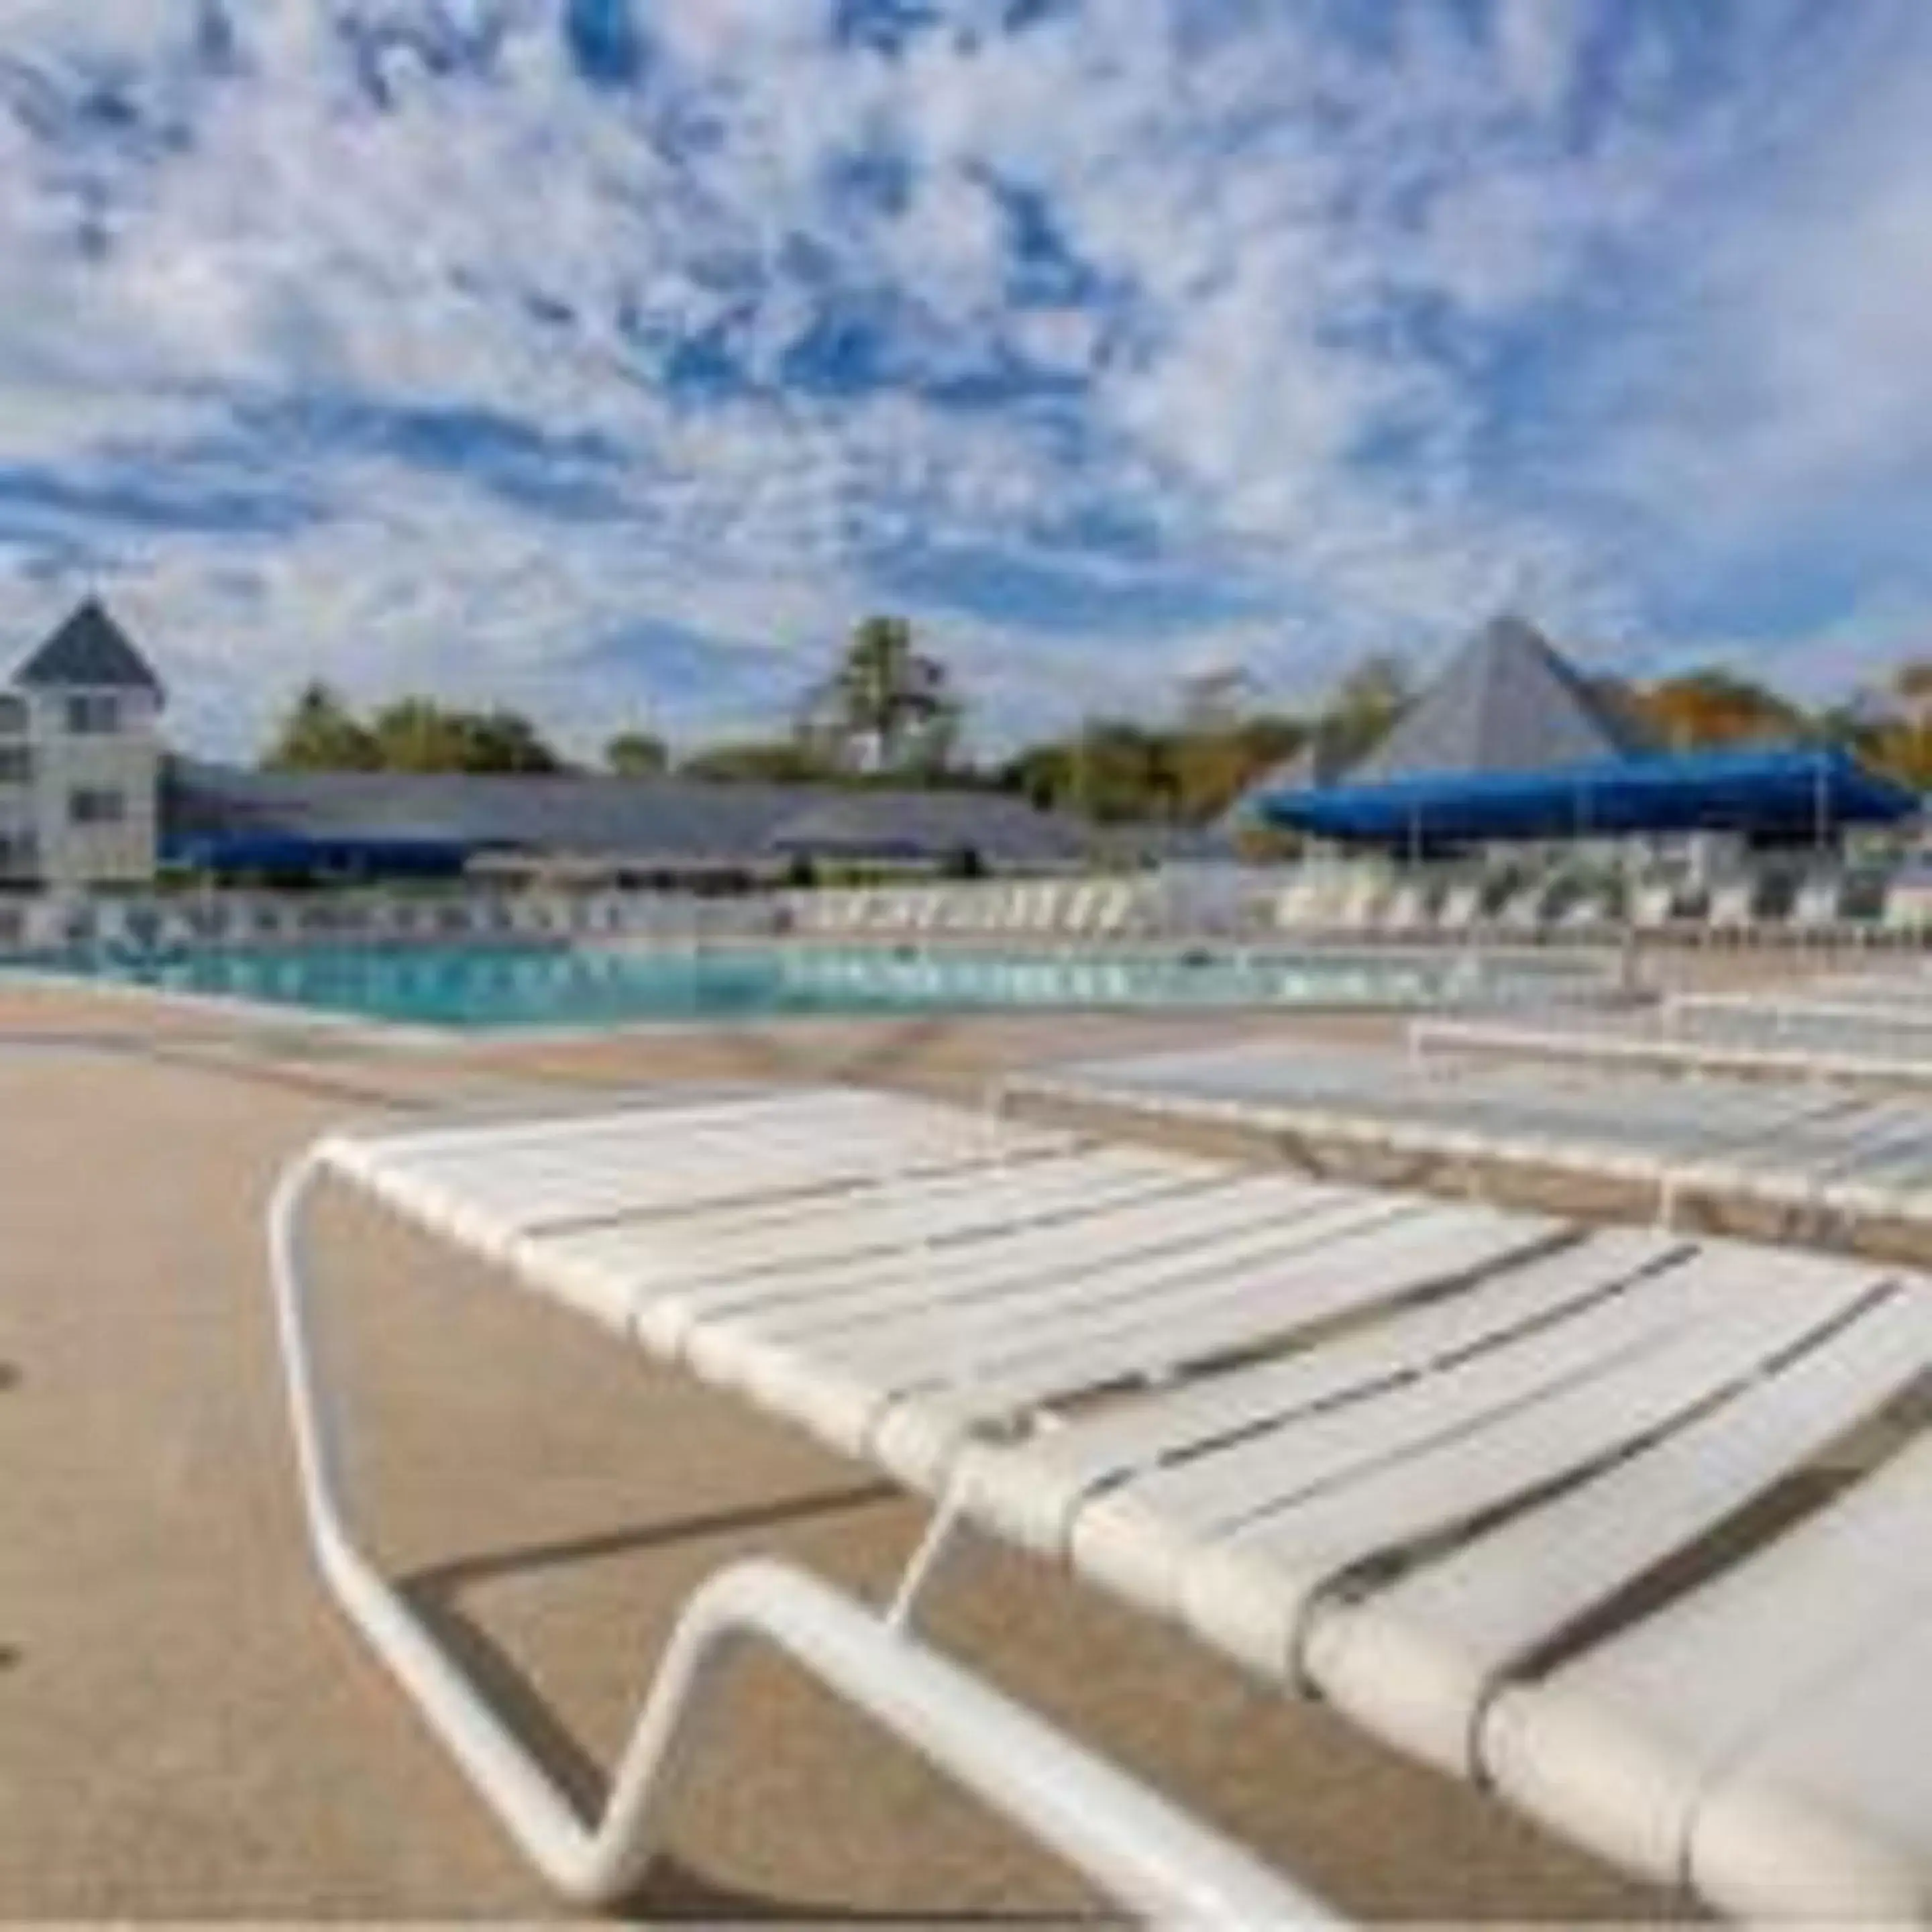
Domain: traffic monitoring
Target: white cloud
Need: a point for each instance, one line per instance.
(1361, 325)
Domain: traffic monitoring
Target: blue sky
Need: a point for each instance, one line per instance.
(610, 357)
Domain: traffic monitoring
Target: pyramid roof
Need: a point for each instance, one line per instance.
(1506, 702)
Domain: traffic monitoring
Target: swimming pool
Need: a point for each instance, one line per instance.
(478, 986)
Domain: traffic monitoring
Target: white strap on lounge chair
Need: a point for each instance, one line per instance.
(1449, 1465)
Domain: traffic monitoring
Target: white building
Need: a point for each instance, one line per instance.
(80, 760)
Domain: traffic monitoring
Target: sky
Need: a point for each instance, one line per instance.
(608, 358)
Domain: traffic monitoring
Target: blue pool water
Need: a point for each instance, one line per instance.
(480, 986)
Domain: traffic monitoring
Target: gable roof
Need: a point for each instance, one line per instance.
(676, 820)
(91, 650)
(1506, 702)
(929, 825)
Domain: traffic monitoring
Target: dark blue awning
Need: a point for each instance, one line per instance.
(296, 852)
(1786, 792)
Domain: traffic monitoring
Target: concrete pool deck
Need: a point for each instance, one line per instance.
(192, 1732)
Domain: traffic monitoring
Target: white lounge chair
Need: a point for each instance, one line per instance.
(1522, 913)
(1806, 1147)
(1297, 906)
(1653, 908)
(1405, 914)
(1732, 917)
(1744, 1039)
(1907, 918)
(1419, 1455)
(1460, 913)
(1359, 906)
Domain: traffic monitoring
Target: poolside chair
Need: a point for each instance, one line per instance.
(1461, 1471)
(1520, 914)
(1359, 905)
(1405, 914)
(1664, 909)
(1742, 1039)
(1296, 905)
(1817, 916)
(1733, 918)
(1906, 918)
(173, 930)
(1460, 912)
(1832, 1161)
(1653, 908)
(1115, 906)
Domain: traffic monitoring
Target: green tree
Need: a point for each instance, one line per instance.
(1116, 770)
(417, 734)
(1366, 707)
(320, 733)
(637, 754)
(887, 707)
(759, 761)
(506, 741)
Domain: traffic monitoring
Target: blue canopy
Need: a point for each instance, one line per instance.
(1786, 792)
(270, 851)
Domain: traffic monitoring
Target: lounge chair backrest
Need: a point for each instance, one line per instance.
(1520, 909)
(1361, 901)
(1406, 908)
(1908, 905)
(1460, 907)
(1818, 900)
(1113, 907)
(1654, 906)
(1733, 905)
(1295, 904)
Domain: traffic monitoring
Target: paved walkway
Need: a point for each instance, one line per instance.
(190, 1732)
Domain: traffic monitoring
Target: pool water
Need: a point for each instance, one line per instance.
(484, 986)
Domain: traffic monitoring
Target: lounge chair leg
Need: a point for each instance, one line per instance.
(942, 1538)
(1125, 1838)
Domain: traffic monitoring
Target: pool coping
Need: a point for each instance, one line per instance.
(429, 1036)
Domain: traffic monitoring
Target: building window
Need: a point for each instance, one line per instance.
(12, 714)
(95, 806)
(16, 764)
(93, 714)
(18, 854)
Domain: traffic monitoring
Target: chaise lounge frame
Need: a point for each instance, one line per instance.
(1129, 1843)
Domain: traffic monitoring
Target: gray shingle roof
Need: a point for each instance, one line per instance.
(930, 825)
(90, 650)
(1506, 702)
(666, 820)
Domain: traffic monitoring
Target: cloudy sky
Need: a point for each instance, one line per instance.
(608, 357)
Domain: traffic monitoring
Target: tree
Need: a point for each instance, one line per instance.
(1890, 729)
(506, 741)
(759, 761)
(1222, 748)
(1699, 710)
(417, 734)
(320, 733)
(1367, 705)
(887, 707)
(637, 754)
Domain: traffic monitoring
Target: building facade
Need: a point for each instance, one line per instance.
(80, 760)
(88, 799)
